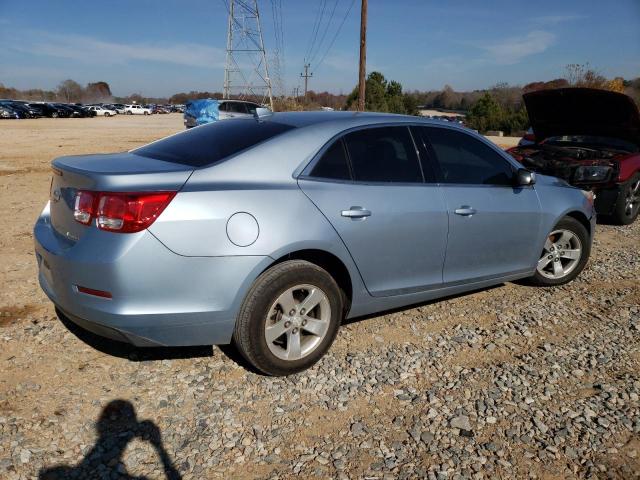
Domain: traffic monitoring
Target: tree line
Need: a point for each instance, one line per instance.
(497, 108)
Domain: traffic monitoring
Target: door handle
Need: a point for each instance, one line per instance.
(465, 211)
(356, 212)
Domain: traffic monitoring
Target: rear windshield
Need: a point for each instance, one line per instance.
(213, 142)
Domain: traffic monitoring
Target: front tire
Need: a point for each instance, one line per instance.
(289, 318)
(564, 255)
(106, 114)
(627, 206)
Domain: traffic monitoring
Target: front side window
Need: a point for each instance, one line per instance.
(466, 160)
(383, 154)
(333, 164)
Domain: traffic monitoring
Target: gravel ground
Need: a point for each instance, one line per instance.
(510, 382)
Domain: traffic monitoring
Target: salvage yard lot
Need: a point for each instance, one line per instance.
(512, 381)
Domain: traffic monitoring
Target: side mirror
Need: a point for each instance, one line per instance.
(524, 177)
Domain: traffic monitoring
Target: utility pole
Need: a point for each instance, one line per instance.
(363, 56)
(306, 77)
(246, 73)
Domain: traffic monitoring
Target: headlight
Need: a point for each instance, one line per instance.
(591, 173)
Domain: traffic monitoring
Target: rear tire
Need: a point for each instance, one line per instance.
(565, 254)
(627, 206)
(275, 332)
(106, 114)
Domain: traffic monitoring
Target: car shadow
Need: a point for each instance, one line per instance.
(131, 352)
(350, 321)
(116, 427)
(142, 354)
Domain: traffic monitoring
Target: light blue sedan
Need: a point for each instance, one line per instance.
(268, 232)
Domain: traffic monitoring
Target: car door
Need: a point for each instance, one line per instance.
(494, 226)
(369, 184)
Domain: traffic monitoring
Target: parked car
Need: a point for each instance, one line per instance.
(70, 111)
(6, 112)
(118, 107)
(591, 139)
(136, 110)
(102, 111)
(227, 238)
(50, 110)
(21, 107)
(226, 109)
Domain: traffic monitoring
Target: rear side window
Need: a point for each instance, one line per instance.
(466, 160)
(383, 154)
(211, 143)
(237, 107)
(333, 164)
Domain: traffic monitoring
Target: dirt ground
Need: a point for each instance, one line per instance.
(50, 378)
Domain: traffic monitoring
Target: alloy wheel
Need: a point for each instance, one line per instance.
(561, 254)
(632, 199)
(297, 322)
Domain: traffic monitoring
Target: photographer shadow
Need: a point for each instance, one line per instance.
(117, 426)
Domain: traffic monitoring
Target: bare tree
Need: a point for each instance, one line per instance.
(69, 91)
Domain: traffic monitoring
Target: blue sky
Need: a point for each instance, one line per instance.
(159, 47)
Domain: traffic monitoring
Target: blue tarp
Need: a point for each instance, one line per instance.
(204, 111)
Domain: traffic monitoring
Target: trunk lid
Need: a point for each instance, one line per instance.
(118, 172)
(583, 111)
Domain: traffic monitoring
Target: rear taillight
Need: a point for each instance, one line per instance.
(83, 209)
(120, 212)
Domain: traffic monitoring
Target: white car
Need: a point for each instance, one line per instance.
(102, 111)
(136, 110)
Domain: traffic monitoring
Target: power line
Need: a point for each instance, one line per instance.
(324, 33)
(278, 52)
(316, 28)
(333, 40)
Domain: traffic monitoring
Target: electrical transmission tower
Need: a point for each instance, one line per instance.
(246, 74)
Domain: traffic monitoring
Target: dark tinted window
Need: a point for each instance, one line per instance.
(236, 107)
(463, 159)
(426, 157)
(384, 154)
(333, 164)
(210, 143)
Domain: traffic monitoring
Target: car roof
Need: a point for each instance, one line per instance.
(344, 119)
(224, 100)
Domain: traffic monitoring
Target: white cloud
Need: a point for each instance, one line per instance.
(95, 51)
(512, 50)
(556, 19)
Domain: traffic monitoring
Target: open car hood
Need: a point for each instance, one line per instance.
(583, 111)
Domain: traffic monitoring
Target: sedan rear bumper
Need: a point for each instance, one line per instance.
(158, 297)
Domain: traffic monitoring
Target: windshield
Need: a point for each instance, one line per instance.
(211, 143)
(591, 141)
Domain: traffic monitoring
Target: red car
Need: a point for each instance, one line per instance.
(591, 139)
